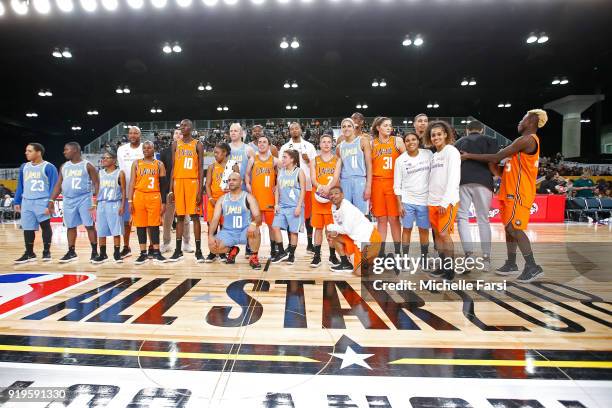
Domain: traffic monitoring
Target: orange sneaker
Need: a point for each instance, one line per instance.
(254, 262)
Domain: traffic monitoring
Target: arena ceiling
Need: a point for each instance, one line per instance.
(344, 46)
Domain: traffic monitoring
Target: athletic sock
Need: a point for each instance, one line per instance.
(512, 257)
(179, 243)
(272, 248)
(198, 245)
(94, 247)
(332, 252)
(102, 250)
(291, 249)
(317, 250)
(529, 259)
(47, 246)
(117, 251)
(344, 260)
(398, 247)
(424, 250)
(279, 247)
(71, 249)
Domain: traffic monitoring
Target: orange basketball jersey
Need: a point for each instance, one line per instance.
(215, 183)
(383, 157)
(186, 161)
(519, 178)
(263, 181)
(324, 173)
(147, 176)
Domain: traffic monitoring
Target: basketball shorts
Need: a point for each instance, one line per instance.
(185, 196)
(33, 213)
(210, 210)
(108, 221)
(511, 212)
(286, 220)
(353, 189)
(147, 208)
(446, 222)
(232, 237)
(307, 204)
(127, 215)
(384, 201)
(415, 213)
(373, 247)
(268, 217)
(319, 221)
(76, 211)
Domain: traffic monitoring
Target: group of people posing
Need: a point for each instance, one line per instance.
(400, 181)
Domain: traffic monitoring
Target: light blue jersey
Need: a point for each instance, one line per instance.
(36, 183)
(353, 159)
(76, 181)
(288, 184)
(236, 214)
(241, 157)
(110, 190)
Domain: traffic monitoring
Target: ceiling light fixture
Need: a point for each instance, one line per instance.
(65, 6)
(20, 7)
(110, 5)
(89, 5)
(135, 4)
(158, 4)
(42, 6)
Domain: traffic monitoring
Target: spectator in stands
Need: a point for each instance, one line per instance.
(550, 185)
(4, 190)
(601, 187)
(584, 186)
(6, 207)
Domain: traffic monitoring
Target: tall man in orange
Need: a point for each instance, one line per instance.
(147, 199)
(186, 187)
(325, 173)
(517, 192)
(261, 182)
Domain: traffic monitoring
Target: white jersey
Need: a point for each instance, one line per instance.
(349, 220)
(302, 147)
(444, 177)
(411, 177)
(126, 155)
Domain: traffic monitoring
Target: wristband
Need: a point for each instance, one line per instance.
(51, 201)
(129, 201)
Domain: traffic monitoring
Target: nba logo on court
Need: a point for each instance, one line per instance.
(21, 290)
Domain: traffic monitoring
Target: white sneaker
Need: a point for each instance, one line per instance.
(165, 248)
(188, 248)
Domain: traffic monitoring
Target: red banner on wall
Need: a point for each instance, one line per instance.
(545, 208)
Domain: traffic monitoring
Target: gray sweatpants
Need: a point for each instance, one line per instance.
(168, 218)
(481, 197)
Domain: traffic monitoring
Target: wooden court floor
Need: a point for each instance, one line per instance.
(296, 320)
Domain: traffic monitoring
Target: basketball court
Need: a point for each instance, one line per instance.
(200, 335)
